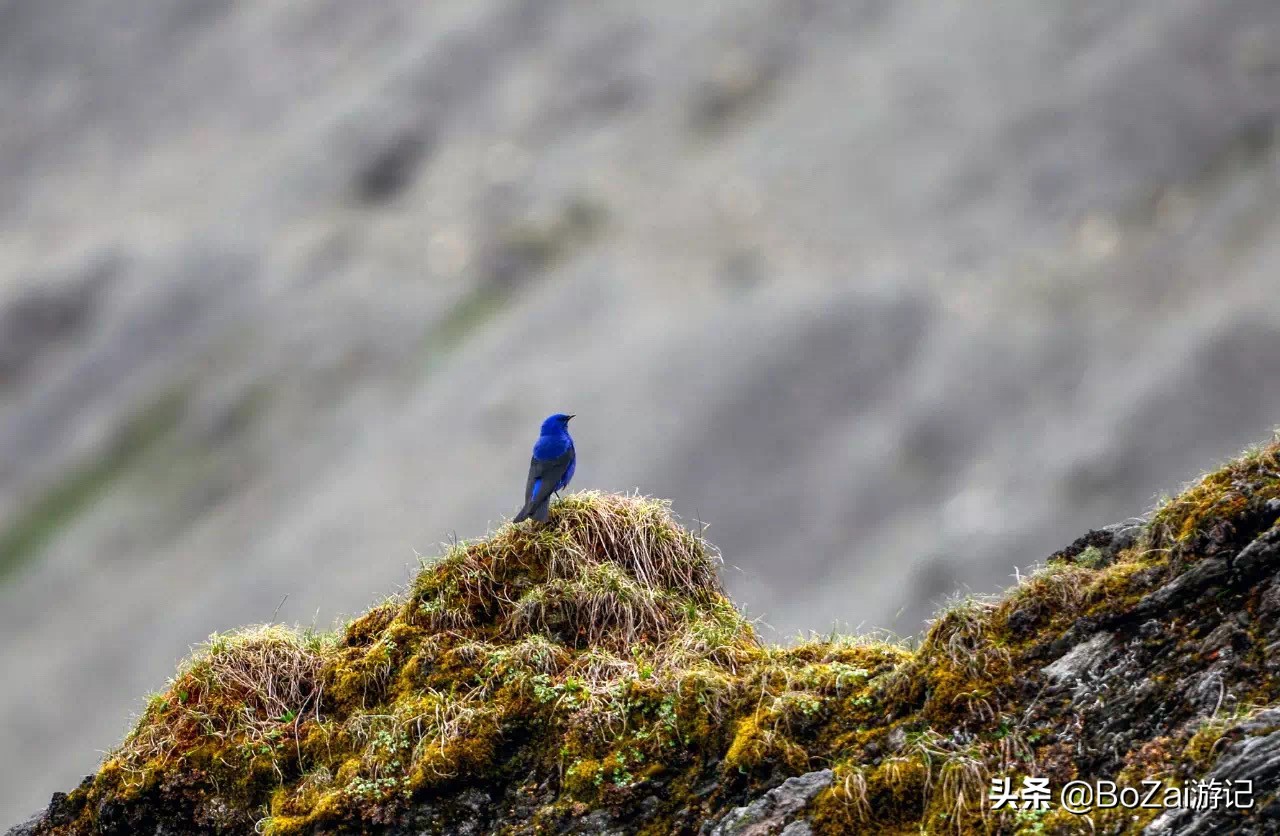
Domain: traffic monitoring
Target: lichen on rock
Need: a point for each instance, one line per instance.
(592, 676)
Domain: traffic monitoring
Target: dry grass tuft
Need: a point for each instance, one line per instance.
(606, 569)
(639, 535)
(850, 788)
(601, 606)
(958, 635)
(242, 685)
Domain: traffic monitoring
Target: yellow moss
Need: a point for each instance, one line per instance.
(1119, 586)
(761, 738)
(750, 744)
(580, 778)
(896, 788)
(1222, 494)
(1047, 599)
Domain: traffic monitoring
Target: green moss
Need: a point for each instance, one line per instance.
(37, 525)
(467, 315)
(528, 246)
(1091, 558)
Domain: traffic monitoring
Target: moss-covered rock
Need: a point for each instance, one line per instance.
(591, 676)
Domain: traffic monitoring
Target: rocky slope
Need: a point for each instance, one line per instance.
(592, 677)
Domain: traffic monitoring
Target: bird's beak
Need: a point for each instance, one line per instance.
(571, 416)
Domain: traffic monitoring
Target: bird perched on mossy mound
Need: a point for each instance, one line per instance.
(550, 470)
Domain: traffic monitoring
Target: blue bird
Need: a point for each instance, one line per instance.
(551, 469)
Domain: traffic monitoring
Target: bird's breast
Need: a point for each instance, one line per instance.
(551, 447)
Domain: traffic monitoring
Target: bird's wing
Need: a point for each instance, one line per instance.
(535, 468)
(544, 476)
(563, 481)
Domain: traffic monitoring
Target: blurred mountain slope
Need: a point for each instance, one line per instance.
(916, 290)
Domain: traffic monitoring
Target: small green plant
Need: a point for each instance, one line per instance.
(1031, 820)
(1091, 558)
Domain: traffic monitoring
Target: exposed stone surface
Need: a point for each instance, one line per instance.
(1254, 757)
(779, 811)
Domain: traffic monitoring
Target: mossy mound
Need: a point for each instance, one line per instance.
(596, 649)
(591, 675)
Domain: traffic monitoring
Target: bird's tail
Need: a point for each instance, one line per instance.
(540, 512)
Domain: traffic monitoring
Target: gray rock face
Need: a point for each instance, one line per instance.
(28, 828)
(596, 823)
(1254, 758)
(284, 291)
(798, 828)
(1078, 666)
(779, 811)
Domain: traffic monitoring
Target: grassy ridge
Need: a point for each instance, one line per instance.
(596, 663)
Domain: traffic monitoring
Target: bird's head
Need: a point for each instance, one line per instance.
(557, 423)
